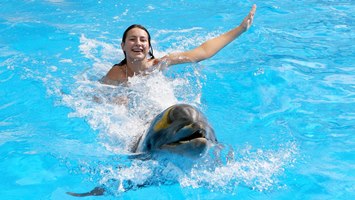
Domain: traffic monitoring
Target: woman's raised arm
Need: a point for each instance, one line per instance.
(212, 46)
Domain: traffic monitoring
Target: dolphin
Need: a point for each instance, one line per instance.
(180, 129)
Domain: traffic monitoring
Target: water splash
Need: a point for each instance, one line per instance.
(122, 113)
(257, 169)
(224, 170)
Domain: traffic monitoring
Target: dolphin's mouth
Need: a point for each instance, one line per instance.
(192, 145)
(194, 137)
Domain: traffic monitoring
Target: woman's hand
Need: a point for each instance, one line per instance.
(248, 20)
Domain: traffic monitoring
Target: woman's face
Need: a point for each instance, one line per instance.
(136, 44)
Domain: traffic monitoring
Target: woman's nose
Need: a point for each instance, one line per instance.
(139, 42)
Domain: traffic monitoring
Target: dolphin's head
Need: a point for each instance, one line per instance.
(179, 129)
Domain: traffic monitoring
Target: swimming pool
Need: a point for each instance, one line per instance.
(280, 98)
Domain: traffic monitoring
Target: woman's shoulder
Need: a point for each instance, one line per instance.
(116, 73)
(117, 67)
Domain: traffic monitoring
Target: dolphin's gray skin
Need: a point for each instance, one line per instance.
(180, 129)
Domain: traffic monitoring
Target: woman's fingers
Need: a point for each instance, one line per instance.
(249, 18)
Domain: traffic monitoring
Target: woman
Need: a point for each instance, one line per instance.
(136, 46)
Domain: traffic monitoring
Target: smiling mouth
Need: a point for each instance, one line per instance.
(137, 50)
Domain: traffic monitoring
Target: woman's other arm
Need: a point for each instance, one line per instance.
(212, 46)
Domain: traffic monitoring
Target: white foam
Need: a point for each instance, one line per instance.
(136, 174)
(255, 169)
(120, 125)
(99, 51)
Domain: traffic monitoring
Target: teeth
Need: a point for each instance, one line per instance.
(137, 49)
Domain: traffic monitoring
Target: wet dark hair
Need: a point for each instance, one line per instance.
(124, 61)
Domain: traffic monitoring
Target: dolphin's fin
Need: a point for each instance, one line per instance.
(98, 191)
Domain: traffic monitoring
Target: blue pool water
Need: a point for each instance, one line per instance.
(281, 99)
